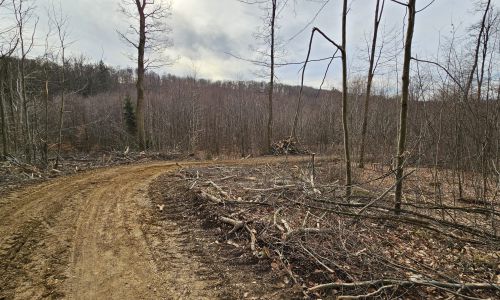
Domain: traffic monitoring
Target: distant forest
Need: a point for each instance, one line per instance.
(191, 115)
(445, 111)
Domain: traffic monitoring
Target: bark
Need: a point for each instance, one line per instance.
(141, 132)
(344, 103)
(61, 110)
(24, 115)
(45, 147)
(3, 112)
(400, 157)
(271, 80)
(12, 105)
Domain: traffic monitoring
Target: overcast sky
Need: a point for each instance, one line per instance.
(204, 31)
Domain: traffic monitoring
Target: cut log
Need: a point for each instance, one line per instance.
(207, 197)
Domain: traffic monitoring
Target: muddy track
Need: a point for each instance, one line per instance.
(88, 236)
(79, 237)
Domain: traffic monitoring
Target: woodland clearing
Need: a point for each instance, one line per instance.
(249, 228)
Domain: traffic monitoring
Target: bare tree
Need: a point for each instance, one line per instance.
(343, 51)
(267, 35)
(8, 45)
(271, 76)
(379, 9)
(482, 28)
(23, 16)
(347, 152)
(149, 36)
(45, 60)
(60, 23)
(401, 150)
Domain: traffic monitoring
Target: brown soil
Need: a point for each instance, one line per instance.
(97, 235)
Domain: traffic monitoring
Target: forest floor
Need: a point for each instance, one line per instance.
(241, 229)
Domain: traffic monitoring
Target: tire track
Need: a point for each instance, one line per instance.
(94, 236)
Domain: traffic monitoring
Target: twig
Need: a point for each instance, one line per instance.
(227, 177)
(317, 259)
(275, 216)
(276, 188)
(302, 231)
(374, 293)
(192, 186)
(383, 194)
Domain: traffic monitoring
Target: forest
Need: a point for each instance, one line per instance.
(415, 157)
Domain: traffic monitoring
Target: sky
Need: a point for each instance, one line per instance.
(207, 33)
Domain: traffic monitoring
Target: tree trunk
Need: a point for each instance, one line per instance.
(12, 104)
(141, 131)
(61, 112)
(344, 103)
(3, 112)
(271, 80)
(45, 149)
(400, 158)
(24, 104)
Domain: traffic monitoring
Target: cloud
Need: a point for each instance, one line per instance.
(192, 41)
(205, 31)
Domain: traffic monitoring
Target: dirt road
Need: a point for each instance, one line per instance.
(84, 237)
(80, 237)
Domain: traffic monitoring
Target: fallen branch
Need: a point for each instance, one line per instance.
(383, 194)
(227, 178)
(275, 223)
(411, 281)
(369, 295)
(237, 225)
(218, 188)
(192, 185)
(414, 218)
(276, 188)
(253, 239)
(318, 260)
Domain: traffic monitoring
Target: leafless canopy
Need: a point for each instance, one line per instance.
(157, 30)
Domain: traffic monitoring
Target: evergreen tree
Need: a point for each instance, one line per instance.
(129, 115)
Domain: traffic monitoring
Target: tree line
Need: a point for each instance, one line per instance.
(446, 115)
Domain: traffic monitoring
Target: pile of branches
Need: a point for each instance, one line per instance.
(14, 172)
(355, 250)
(287, 146)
